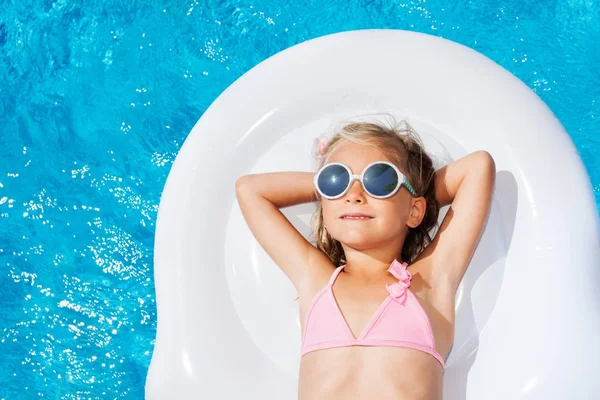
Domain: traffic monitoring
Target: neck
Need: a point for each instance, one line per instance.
(367, 268)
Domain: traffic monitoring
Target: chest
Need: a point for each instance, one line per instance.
(359, 307)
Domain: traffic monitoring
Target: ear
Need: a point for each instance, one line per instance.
(417, 212)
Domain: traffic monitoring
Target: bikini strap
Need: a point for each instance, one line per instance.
(334, 275)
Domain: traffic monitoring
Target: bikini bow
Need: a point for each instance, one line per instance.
(398, 290)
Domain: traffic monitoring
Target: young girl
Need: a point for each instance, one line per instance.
(377, 293)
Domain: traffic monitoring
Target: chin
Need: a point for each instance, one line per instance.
(357, 241)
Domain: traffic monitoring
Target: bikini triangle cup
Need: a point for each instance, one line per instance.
(399, 321)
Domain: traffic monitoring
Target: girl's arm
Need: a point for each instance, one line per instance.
(260, 196)
(467, 184)
(283, 189)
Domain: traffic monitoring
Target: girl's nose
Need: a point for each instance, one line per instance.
(356, 192)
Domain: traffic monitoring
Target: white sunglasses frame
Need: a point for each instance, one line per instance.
(403, 181)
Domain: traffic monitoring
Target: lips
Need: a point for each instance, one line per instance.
(356, 216)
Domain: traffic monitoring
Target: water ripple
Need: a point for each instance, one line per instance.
(97, 99)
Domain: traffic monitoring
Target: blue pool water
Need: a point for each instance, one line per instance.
(97, 99)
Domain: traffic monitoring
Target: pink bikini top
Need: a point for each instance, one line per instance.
(399, 321)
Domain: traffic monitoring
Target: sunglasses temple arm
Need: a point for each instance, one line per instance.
(409, 187)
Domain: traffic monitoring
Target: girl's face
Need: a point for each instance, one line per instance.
(389, 216)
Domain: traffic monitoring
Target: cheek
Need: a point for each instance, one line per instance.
(328, 208)
(328, 215)
(393, 218)
(330, 220)
(392, 210)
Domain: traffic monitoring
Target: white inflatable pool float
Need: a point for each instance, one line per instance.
(528, 308)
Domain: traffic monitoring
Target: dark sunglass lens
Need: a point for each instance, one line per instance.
(333, 180)
(380, 179)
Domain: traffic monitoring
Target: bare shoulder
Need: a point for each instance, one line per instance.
(437, 298)
(319, 270)
(431, 288)
(423, 273)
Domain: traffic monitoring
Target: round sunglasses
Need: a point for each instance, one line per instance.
(380, 179)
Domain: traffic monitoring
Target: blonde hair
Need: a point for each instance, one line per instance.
(404, 148)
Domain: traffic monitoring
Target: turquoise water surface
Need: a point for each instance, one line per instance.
(98, 97)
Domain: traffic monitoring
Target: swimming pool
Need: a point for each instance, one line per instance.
(97, 100)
